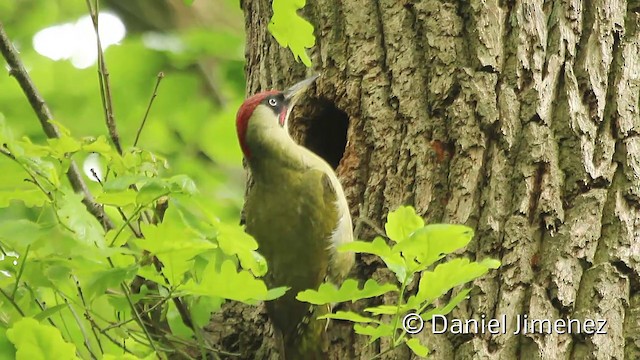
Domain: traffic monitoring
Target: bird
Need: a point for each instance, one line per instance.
(297, 211)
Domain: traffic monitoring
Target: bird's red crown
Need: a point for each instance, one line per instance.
(244, 114)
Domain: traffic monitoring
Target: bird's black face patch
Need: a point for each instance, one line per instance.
(278, 104)
(275, 102)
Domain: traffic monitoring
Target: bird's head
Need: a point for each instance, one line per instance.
(267, 113)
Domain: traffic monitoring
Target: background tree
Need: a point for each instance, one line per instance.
(518, 119)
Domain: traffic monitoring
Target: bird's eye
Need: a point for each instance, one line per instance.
(273, 102)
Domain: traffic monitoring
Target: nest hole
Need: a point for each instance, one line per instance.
(325, 130)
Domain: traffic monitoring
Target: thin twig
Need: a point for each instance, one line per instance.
(40, 305)
(67, 300)
(40, 107)
(20, 271)
(64, 326)
(87, 315)
(5, 151)
(105, 83)
(145, 312)
(137, 233)
(177, 340)
(110, 338)
(12, 302)
(146, 113)
(180, 306)
(86, 342)
(138, 318)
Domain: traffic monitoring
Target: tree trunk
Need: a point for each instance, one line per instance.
(519, 119)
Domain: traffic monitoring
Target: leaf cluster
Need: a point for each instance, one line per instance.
(414, 252)
(69, 285)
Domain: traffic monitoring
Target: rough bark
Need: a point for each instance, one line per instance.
(519, 119)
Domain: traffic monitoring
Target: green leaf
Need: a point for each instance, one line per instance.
(383, 310)
(50, 311)
(182, 184)
(291, 30)
(402, 222)
(171, 238)
(100, 281)
(177, 326)
(228, 283)
(375, 332)
(10, 264)
(463, 294)
(417, 348)
(61, 146)
(30, 198)
(202, 307)
(20, 233)
(117, 198)
(123, 182)
(127, 356)
(234, 241)
(349, 291)
(376, 247)
(433, 241)
(7, 350)
(175, 246)
(151, 191)
(27, 150)
(120, 302)
(98, 145)
(62, 129)
(380, 248)
(73, 213)
(446, 276)
(36, 341)
(275, 293)
(349, 316)
(37, 165)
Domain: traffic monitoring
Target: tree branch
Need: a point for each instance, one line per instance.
(105, 83)
(40, 107)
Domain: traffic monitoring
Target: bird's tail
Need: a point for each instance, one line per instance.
(309, 341)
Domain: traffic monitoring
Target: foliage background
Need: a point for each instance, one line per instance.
(193, 131)
(187, 125)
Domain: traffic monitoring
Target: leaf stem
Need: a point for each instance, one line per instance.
(400, 302)
(146, 113)
(87, 315)
(20, 271)
(86, 342)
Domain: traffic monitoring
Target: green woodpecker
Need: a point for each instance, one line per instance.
(297, 211)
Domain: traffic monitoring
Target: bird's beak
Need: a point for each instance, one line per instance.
(293, 93)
